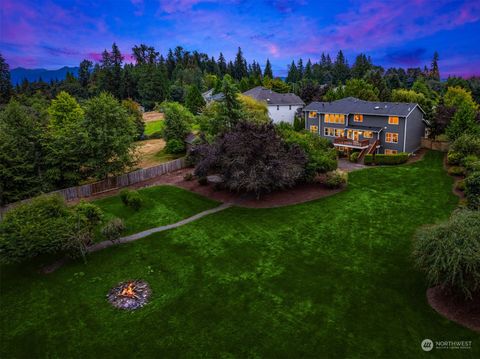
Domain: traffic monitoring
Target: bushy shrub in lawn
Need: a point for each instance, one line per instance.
(460, 185)
(354, 156)
(472, 190)
(113, 229)
(175, 146)
(454, 158)
(456, 171)
(336, 179)
(155, 135)
(131, 199)
(90, 212)
(43, 225)
(368, 159)
(449, 252)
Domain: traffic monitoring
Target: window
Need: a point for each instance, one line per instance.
(393, 120)
(390, 152)
(314, 129)
(278, 107)
(334, 118)
(328, 131)
(339, 132)
(290, 107)
(391, 137)
(358, 118)
(367, 134)
(312, 114)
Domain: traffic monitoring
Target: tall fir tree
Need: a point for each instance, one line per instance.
(267, 72)
(5, 84)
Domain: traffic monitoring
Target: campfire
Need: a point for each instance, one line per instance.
(129, 295)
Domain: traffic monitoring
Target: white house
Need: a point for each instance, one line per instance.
(281, 106)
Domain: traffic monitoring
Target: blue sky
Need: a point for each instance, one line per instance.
(55, 33)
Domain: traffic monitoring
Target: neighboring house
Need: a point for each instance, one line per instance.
(282, 107)
(372, 127)
(208, 96)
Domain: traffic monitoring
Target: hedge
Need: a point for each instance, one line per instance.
(386, 159)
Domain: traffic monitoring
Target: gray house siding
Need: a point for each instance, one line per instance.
(415, 129)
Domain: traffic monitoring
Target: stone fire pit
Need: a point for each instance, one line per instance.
(130, 295)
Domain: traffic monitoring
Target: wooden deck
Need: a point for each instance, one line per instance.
(347, 142)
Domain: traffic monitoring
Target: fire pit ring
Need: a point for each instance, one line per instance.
(129, 295)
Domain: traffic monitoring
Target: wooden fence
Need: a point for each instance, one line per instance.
(435, 145)
(87, 190)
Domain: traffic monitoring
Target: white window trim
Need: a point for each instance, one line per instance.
(392, 137)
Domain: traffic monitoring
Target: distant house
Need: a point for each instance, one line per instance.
(209, 96)
(372, 127)
(281, 106)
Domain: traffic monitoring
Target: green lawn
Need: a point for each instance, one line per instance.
(154, 126)
(161, 205)
(331, 278)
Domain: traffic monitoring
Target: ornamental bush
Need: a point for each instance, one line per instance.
(449, 252)
(43, 225)
(466, 144)
(175, 146)
(113, 229)
(131, 199)
(454, 158)
(472, 190)
(456, 171)
(471, 163)
(336, 179)
(354, 157)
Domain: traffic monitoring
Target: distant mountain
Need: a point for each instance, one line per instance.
(18, 74)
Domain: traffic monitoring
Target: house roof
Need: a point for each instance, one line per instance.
(209, 96)
(354, 105)
(260, 93)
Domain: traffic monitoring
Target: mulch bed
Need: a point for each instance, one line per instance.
(456, 308)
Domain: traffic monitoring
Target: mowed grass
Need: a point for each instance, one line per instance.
(161, 205)
(154, 126)
(331, 278)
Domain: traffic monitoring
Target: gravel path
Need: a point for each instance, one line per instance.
(105, 244)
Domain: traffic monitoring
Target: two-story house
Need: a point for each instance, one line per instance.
(371, 127)
(282, 107)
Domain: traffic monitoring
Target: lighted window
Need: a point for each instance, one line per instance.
(390, 152)
(334, 118)
(367, 134)
(393, 120)
(339, 132)
(314, 129)
(312, 114)
(391, 137)
(328, 131)
(358, 118)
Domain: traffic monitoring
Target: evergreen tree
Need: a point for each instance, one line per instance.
(194, 100)
(144, 54)
(308, 74)
(230, 107)
(222, 65)
(341, 71)
(434, 70)
(268, 70)
(5, 84)
(361, 66)
(84, 72)
(240, 67)
(170, 63)
(300, 70)
(293, 74)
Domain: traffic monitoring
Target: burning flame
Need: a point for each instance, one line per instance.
(129, 290)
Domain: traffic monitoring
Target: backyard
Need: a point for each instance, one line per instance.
(328, 278)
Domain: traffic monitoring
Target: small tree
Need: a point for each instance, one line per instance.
(253, 110)
(449, 252)
(136, 116)
(251, 158)
(194, 100)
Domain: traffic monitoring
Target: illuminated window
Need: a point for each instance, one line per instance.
(358, 118)
(391, 137)
(390, 152)
(393, 120)
(334, 118)
(367, 134)
(314, 129)
(339, 132)
(312, 114)
(328, 131)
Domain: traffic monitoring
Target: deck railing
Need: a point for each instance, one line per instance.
(344, 141)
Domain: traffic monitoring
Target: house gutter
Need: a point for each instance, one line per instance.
(405, 134)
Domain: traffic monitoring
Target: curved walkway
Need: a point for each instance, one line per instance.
(133, 237)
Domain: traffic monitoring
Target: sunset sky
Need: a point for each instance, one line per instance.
(55, 33)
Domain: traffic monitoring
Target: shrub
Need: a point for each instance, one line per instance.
(188, 176)
(178, 121)
(155, 135)
(449, 252)
(368, 159)
(113, 229)
(43, 225)
(471, 163)
(175, 146)
(90, 212)
(354, 156)
(472, 190)
(467, 144)
(460, 185)
(336, 179)
(454, 158)
(131, 199)
(456, 171)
